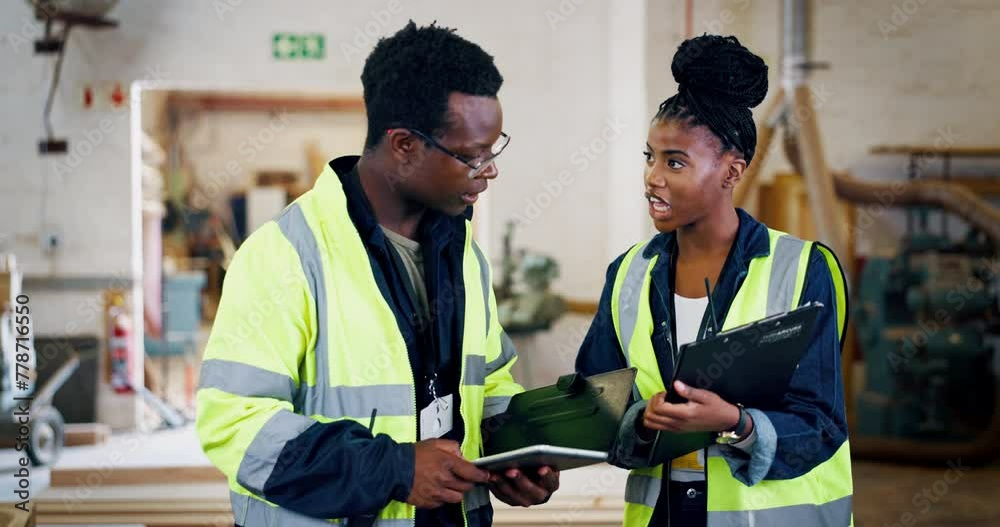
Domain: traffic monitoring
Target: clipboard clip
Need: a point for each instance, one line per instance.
(572, 383)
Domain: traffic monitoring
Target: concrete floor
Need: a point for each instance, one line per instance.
(894, 495)
(884, 495)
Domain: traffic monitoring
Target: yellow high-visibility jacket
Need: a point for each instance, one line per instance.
(773, 284)
(303, 338)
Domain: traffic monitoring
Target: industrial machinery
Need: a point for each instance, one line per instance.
(529, 305)
(41, 437)
(926, 319)
(928, 323)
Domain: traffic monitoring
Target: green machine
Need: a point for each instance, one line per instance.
(928, 326)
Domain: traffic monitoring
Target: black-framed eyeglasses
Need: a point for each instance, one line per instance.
(475, 167)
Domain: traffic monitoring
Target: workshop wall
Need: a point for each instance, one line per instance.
(554, 56)
(902, 72)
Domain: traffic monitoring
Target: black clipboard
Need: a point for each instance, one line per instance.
(581, 413)
(749, 365)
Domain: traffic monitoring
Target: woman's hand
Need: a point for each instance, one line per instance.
(704, 411)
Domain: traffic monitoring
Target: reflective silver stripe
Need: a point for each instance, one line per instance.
(262, 454)
(836, 513)
(628, 300)
(245, 380)
(628, 307)
(784, 273)
(251, 512)
(484, 276)
(496, 404)
(686, 475)
(507, 353)
(475, 370)
(642, 490)
(358, 401)
(296, 229)
(479, 496)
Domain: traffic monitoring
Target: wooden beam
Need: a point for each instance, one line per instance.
(831, 225)
(928, 150)
(765, 138)
(985, 186)
(135, 476)
(235, 102)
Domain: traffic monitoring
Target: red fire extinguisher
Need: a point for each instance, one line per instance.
(119, 345)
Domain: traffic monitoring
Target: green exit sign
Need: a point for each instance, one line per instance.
(292, 46)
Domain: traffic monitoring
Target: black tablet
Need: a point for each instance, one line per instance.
(537, 456)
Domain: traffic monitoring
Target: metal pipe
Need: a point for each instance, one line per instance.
(951, 198)
(796, 49)
(43, 397)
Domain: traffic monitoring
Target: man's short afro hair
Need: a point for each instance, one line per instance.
(408, 77)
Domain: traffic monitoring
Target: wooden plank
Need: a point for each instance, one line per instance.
(124, 507)
(149, 492)
(253, 102)
(77, 434)
(134, 476)
(147, 519)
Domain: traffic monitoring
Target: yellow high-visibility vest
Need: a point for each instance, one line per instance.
(303, 335)
(773, 284)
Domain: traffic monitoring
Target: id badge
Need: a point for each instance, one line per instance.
(436, 419)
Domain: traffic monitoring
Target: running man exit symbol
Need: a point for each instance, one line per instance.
(304, 46)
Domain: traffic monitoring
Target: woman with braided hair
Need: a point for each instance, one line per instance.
(788, 464)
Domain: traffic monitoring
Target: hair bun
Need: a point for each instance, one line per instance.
(720, 70)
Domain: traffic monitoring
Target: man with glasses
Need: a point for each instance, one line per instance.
(356, 348)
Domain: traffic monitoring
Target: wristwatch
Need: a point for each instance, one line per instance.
(729, 437)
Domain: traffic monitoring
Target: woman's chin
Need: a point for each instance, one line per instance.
(665, 225)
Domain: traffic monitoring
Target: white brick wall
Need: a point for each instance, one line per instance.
(935, 72)
(558, 66)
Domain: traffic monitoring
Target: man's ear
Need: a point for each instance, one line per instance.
(734, 172)
(402, 144)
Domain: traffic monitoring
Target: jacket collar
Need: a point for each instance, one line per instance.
(436, 227)
(752, 241)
